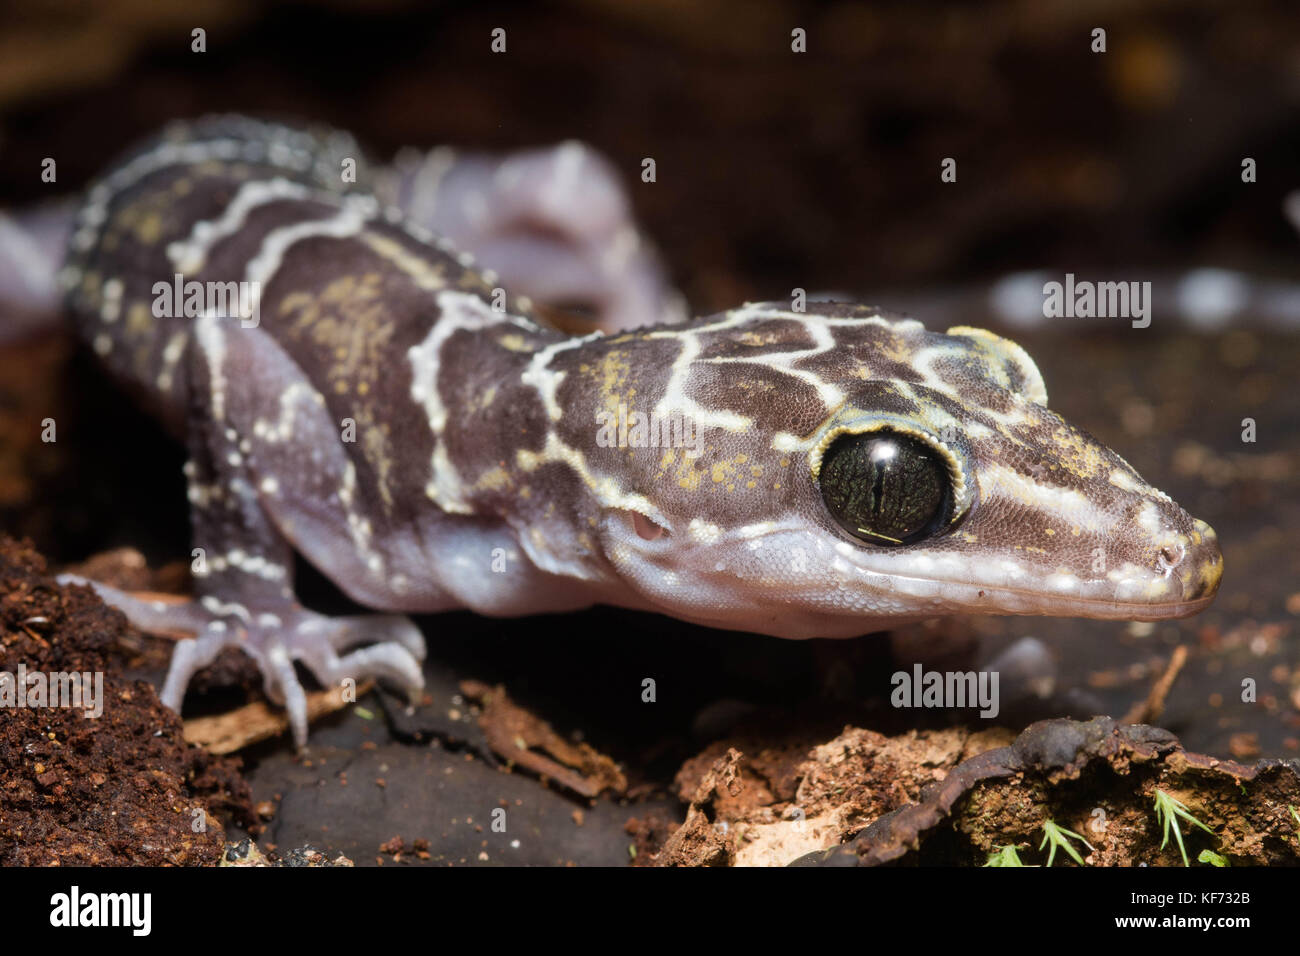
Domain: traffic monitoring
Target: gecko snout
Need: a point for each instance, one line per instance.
(1193, 561)
(1202, 566)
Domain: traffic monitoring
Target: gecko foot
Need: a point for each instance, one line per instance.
(275, 640)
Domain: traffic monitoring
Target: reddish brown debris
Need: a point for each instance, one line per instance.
(521, 738)
(120, 789)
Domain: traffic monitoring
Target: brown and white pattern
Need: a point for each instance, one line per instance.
(429, 444)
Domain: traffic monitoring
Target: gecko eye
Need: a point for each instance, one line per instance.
(885, 488)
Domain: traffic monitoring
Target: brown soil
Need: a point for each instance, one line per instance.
(120, 789)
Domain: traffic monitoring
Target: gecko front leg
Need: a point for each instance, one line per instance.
(244, 584)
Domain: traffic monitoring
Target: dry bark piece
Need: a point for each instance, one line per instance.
(128, 570)
(258, 720)
(517, 736)
(796, 794)
(703, 839)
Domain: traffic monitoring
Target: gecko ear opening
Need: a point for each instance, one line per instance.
(647, 529)
(1008, 358)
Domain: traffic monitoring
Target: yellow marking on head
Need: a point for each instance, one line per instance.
(687, 475)
(1004, 354)
(1078, 456)
(1210, 574)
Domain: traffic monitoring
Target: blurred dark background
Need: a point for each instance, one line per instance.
(775, 169)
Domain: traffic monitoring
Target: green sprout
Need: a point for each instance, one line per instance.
(1212, 858)
(1294, 814)
(1168, 810)
(1005, 856)
(1057, 837)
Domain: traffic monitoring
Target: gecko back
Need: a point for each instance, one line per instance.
(191, 205)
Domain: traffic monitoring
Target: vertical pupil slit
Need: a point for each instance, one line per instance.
(855, 470)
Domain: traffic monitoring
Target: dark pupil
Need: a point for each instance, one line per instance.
(883, 487)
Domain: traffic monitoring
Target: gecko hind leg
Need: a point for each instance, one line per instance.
(555, 224)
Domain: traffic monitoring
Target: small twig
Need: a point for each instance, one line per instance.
(258, 721)
(1151, 708)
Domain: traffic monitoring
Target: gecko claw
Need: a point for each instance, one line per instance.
(276, 641)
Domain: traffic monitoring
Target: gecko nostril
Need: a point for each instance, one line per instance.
(1170, 556)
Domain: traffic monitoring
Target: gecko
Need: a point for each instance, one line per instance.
(352, 388)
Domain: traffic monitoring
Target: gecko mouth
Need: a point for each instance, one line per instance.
(948, 597)
(1096, 608)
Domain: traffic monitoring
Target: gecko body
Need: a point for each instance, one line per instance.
(428, 443)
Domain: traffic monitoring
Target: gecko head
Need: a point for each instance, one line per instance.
(894, 474)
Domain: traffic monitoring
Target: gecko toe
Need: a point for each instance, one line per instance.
(386, 661)
(346, 632)
(390, 661)
(282, 684)
(189, 657)
(275, 637)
